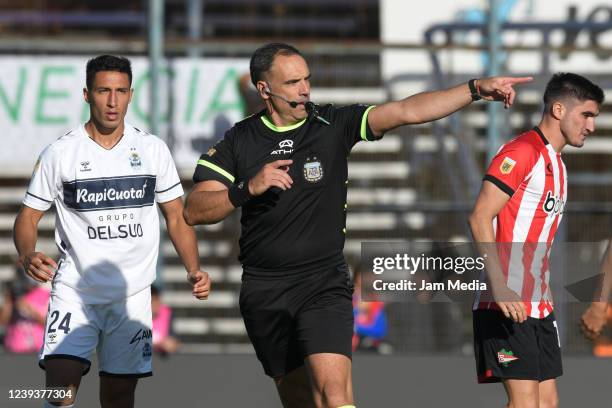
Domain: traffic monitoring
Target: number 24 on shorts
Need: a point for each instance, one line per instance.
(64, 323)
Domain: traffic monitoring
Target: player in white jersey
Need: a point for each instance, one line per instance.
(104, 178)
(513, 223)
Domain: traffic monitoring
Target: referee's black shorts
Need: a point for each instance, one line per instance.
(290, 318)
(521, 351)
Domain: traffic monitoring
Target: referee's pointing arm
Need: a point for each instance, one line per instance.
(429, 106)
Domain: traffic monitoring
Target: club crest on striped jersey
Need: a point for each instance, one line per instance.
(507, 165)
(313, 170)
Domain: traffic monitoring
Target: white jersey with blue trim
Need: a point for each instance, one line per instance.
(107, 223)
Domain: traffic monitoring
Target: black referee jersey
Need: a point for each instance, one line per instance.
(286, 232)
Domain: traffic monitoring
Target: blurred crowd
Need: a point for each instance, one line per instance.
(23, 308)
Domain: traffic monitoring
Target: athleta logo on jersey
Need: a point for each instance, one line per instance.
(110, 193)
(285, 147)
(553, 205)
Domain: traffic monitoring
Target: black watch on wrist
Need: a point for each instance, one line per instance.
(472, 85)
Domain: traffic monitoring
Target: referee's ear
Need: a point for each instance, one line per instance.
(86, 95)
(264, 90)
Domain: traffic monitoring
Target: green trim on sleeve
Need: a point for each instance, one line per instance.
(364, 123)
(217, 169)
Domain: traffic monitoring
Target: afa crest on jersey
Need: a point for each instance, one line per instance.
(313, 170)
(507, 165)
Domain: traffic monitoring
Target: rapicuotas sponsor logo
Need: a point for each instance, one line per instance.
(111, 194)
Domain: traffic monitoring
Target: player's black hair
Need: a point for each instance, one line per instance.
(107, 63)
(263, 57)
(567, 84)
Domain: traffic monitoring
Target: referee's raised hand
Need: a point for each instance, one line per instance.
(39, 266)
(274, 174)
(500, 88)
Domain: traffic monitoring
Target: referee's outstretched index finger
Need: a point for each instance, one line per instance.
(519, 80)
(280, 163)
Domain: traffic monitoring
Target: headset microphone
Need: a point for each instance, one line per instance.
(293, 104)
(311, 108)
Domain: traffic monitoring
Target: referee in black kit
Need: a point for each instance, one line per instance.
(286, 166)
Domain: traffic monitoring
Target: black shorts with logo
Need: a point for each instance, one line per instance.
(522, 351)
(289, 318)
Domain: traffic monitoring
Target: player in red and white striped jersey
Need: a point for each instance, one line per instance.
(514, 221)
(532, 175)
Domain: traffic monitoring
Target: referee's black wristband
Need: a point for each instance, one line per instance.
(238, 194)
(474, 91)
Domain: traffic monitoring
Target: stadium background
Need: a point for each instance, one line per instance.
(418, 183)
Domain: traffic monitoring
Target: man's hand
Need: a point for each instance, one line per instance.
(200, 283)
(510, 304)
(500, 88)
(273, 174)
(593, 320)
(39, 266)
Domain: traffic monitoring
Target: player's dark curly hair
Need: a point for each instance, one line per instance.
(567, 84)
(107, 63)
(263, 57)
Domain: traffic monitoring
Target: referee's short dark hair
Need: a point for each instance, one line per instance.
(107, 63)
(566, 84)
(263, 57)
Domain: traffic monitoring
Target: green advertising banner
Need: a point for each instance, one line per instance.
(41, 98)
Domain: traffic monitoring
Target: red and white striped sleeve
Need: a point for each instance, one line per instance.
(512, 165)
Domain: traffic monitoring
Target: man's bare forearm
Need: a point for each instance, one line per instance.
(606, 276)
(429, 106)
(207, 207)
(25, 235)
(419, 108)
(484, 237)
(184, 240)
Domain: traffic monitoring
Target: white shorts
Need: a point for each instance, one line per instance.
(121, 332)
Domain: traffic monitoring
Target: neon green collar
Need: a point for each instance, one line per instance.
(275, 128)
